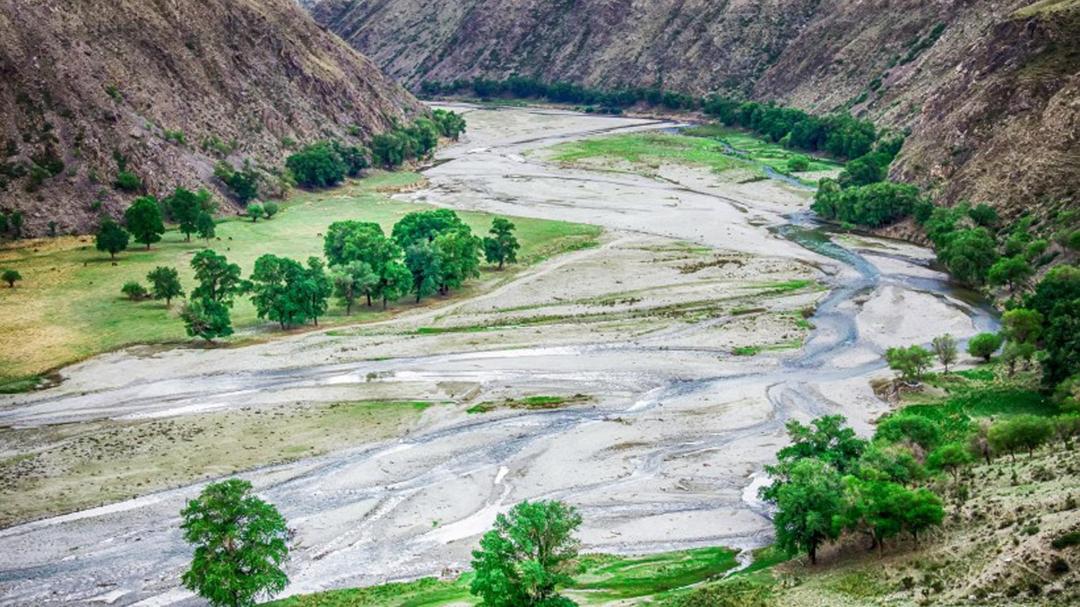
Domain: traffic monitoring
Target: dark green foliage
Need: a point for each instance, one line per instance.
(289, 293)
(134, 291)
(111, 238)
(254, 210)
(865, 170)
(184, 207)
(984, 215)
(352, 280)
(883, 509)
(1022, 325)
(807, 502)
(11, 276)
(425, 225)
(969, 254)
(985, 345)
(318, 166)
(205, 226)
(911, 363)
(240, 545)
(127, 181)
(143, 219)
(528, 554)
(873, 205)
(458, 253)
(423, 263)
(165, 284)
(395, 147)
(1066, 540)
(798, 163)
(270, 208)
(243, 183)
(1057, 298)
(950, 458)
(502, 246)
(219, 281)
(207, 319)
(353, 241)
(1011, 271)
(451, 124)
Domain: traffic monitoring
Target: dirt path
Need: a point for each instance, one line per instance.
(661, 457)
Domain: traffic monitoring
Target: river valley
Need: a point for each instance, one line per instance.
(667, 428)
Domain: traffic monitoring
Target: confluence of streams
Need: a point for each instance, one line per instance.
(669, 456)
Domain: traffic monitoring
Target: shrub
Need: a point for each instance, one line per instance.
(1066, 540)
(134, 291)
(317, 166)
(873, 205)
(127, 181)
(243, 183)
(798, 164)
(255, 211)
(270, 208)
(11, 277)
(984, 345)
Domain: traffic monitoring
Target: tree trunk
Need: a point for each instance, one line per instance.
(369, 300)
(813, 554)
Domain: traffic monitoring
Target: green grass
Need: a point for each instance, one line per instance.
(603, 578)
(69, 306)
(20, 384)
(749, 147)
(648, 149)
(529, 402)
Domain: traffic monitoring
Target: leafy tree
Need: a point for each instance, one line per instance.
(1020, 432)
(255, 211)
(348, 241)
(807, 502)
(798, 163)
(277, 290)
(945, 349)
(354, 157)
(950, 458)
(240, 545)
(984, 215)
(1057, 298)
(389, 150)
(111, 238)
(205, 226)
(352, 280)
(528, 554)
(458, 253)
(826, 439)
(144, 221)
(184, 207)
(502, 246)
(165, 284)
(243, 183)
(219, 280)
(425, 225)
(984, 345)
(909, 427)
(207, 319)
(1022, 325)
(451, 124)
(920, 510)
(912, 362)
(134, 291)
(11, 276)
(969, 255)
(270, 208)
(1011, 271)
(885, 462)
(873, 507)
(863, 171)
(873, 205)
(394, 281)
(423, 262)
(317, 166)
(316, 288)
(1016, 352)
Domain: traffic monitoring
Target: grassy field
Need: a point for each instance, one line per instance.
(601, 580)
(718, 148)
(76, 466)
(69, 306)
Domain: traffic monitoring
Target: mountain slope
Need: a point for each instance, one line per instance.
(969, 79)
(88, 81)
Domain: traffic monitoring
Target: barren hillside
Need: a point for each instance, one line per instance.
(989, 89)
(171, 86)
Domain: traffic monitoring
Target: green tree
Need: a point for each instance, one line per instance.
(277, 292)
(1057, 298)
(205, 226)
(950, 458)
(1016, 352)
(885, 462)
(984, 215)
(143, 220)
(451, 124)
(394, 281)
(316, 289)
(423, 262)
(425, 225)
(826, 439)
(11, 276)
(874, 508)
(458, 253)
(528, 554)
(184, 207)
(240, 545)
(348, 241)
(207, 319)
(1011, 271)
(352, 280)
(945, 349)
(165, 284)
(984, 345)
(502, 246)
(909, 427)
(1022, 325)
(255, 211)
(270, 208)
(921, 510)
(111, 238)
(317, 166)
(798, 163)
(911, 363)
(126, 181)
(806, 504)
(969, 255)
(134, 291)
(1026, 432)
(243, 183)
(219, 281)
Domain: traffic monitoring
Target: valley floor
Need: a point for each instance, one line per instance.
(677, 348)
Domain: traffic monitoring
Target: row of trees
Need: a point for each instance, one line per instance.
(145, 219)
(840, 134)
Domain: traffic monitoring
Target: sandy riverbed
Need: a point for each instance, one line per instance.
(644, 326)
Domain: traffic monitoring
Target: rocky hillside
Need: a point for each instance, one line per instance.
(171, 88)
(988, 89)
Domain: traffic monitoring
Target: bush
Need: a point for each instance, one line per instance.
(1025, 432)
(984, 345)
(255, 211)
(127, 181)
(270, 209)
(317, 166)
(1066, 540)
(872, 205)
(134, 291)
(798, 164)
(244, 184)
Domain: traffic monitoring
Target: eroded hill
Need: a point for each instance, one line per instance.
(989, 90)
(172, 88)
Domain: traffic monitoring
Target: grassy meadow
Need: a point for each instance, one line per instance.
(69, 305)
